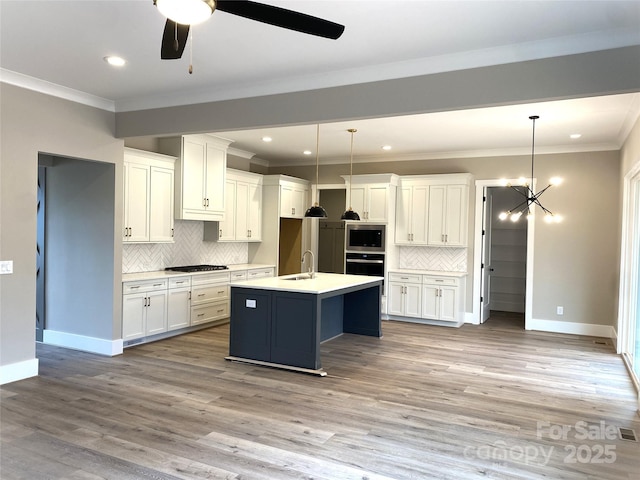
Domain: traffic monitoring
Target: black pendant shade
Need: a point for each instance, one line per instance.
(350, 215)
(315, 212)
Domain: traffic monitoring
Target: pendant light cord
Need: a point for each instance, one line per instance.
(533, 146)
(351, 131)
(317, 161)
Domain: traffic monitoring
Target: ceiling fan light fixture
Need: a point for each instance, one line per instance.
(186, 12)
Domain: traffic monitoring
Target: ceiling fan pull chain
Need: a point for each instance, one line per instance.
(191, 52)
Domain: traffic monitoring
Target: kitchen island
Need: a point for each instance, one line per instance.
(281, 321)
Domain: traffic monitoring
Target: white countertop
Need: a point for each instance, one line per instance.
(428, 272)
(162, 274)
(322, 283)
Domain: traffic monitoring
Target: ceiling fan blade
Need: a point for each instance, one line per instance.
(172, 44)
(281, 17)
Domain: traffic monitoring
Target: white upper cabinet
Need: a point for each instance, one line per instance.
(433, 210)
(148, 196)
(411, 214)
(448, 218)
(243, 210)
(293, 198)
(200, 178)
(372, 196)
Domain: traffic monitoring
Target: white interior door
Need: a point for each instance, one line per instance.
(486, 254)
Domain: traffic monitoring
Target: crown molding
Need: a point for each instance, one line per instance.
(42, 86)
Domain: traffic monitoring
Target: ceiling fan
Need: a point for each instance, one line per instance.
(179, 19)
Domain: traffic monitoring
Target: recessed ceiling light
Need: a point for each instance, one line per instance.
(267, 139)
(386, 147)
(307, 152)
(115, 61)
(575, 135)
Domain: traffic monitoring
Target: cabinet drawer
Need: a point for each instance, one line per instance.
(260, 273)
(209, 293)
(429, 280)
(209, 313)
(238, 276)
(180, 282)
(210, 278)
(146, 286)
(405, 277)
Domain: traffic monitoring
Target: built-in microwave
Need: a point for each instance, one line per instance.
(365, 237)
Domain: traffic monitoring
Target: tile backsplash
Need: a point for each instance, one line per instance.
(188, 249)
(433, 258)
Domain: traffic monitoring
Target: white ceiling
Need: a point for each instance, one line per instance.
(58, 46)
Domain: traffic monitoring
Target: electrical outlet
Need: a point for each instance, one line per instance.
(559, 310)
(6, 267)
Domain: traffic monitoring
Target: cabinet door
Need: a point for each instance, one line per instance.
(137, 208)
(299, 202)
(448, 304)
(242, 211)
(133, 316)
(156, 312)
(227, 227)
(455, 215)
(378, 203)
(430, 302)
(193, 175)
(395, 299)
(419, 215)
(215, 179)
(403, 216)
(437, 199)
(178, 308)
(161, 205)
(286, 201)
(412, 306)
(358, 200)
(255, 213)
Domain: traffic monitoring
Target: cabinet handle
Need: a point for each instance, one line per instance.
(157, 284)
(181, 282)
(207, 202)
(220, 234)
(134, 286)
(189, 294)
(146, 301)
(220, 311)
(220, 291)
(404, 278)
(293, 211)
(201, 294)
(172, 233)
(201, 315)
(204, 202)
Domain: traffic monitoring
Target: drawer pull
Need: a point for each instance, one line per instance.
(157, 284)
(134, 286)
(201, 314)
(178, 283)
(221, 310)
(201, 294)
(220, 291)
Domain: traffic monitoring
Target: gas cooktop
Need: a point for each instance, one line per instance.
(197, 268)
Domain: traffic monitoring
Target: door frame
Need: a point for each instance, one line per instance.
(476, 314)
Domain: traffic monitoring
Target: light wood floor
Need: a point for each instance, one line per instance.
(422, 402)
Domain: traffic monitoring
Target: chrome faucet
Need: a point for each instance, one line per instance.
(312, 274)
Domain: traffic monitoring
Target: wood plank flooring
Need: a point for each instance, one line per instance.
(423, 402)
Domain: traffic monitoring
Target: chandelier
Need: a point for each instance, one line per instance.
(531, 199)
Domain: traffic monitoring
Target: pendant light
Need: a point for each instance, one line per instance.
(531, 199)
(316, 211)
(350, 214)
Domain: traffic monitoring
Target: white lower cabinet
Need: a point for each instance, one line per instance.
(404, 295)
(144, 309)
(426, 296)
(179, 303)
(171, 304)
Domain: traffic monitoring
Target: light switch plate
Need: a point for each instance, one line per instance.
(6, 267)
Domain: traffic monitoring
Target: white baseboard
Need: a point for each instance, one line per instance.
(574, 328)
(83, 343)
(18, 371)
(469, 318)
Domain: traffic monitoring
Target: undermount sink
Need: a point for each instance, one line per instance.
(299, 277)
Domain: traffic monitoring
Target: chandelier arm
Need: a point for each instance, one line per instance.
(526, 203)
(525, 195)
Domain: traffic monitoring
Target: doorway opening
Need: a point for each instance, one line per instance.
(331, 231)
(503, 266)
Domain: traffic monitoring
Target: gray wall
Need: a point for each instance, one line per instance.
(80, 245)
(32, 123)
(575, 262)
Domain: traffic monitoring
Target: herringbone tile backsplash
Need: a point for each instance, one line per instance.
(433, 258)
(188, 249)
